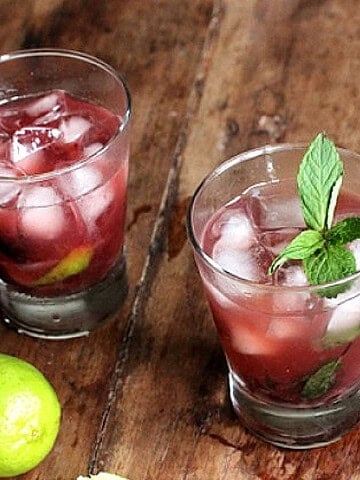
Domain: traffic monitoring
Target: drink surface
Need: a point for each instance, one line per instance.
(59, 233)
(277, 336)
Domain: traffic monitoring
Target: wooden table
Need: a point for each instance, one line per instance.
(146, 395)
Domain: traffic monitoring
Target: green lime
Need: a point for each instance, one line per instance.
(75, 262)
(29, 416)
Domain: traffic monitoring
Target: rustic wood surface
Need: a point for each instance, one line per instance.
(146, 395)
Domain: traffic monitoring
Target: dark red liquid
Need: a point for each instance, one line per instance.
(44, 221)
(275, 337)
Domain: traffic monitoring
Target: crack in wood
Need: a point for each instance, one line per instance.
(156, 245)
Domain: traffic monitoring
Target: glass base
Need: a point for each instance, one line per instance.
(67, 316)
(294, 428)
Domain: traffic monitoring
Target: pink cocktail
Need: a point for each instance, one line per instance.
(293, 355)
(64, 141)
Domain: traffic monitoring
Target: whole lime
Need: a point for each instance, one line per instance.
(29, 416)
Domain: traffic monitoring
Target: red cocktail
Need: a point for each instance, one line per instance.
(63, 167)
(293, 354)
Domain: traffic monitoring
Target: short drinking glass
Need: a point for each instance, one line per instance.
(293, 355)
(64, 147)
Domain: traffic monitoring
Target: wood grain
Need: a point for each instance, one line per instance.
(174, 400)
(146, 396)
(160, 70)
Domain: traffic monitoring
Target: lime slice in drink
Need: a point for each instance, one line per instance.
(75, 262)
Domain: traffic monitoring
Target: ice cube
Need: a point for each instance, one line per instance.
(29, 140)
(9, 190)
(250, 342)
(240, 263)
(291, 275)
(235, 230)
(73, 128)
(92, 148)
(355, 249)
(346, 316)
(287, 327)
(344, 324)
(39, 196)
(276, 240)
(276, 211)
(10, 119)
(218, 296)
(44, 105)
(225, 290)
(42, 216)
(28, 147)
(94, 204)
(290, 300)
(250, 264)
(81, 181)
(232, 251)
(14, 116)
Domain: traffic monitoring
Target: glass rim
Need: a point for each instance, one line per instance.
(90, 59)
(217, 171)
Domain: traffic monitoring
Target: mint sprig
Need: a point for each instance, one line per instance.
(321, 247)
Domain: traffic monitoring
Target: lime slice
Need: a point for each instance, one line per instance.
(75, 262)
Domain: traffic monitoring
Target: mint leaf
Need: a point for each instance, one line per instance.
(320, 382)
(301, 247)
(319, 180)
(345, 231)
(328, 265)
(321, 247)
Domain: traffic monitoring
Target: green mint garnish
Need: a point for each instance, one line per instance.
(302, 246)
(321, 246)
(320, 382)
(345, 231)
(319, 180)
(329, 264)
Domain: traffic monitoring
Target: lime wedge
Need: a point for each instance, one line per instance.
(75, 262)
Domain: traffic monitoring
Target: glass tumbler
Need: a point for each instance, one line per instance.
(64, 149)
(293, 354)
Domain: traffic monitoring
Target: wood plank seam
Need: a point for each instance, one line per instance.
(156, 246)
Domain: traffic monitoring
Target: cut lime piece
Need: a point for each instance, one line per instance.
(335, 339)
(75, 262)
